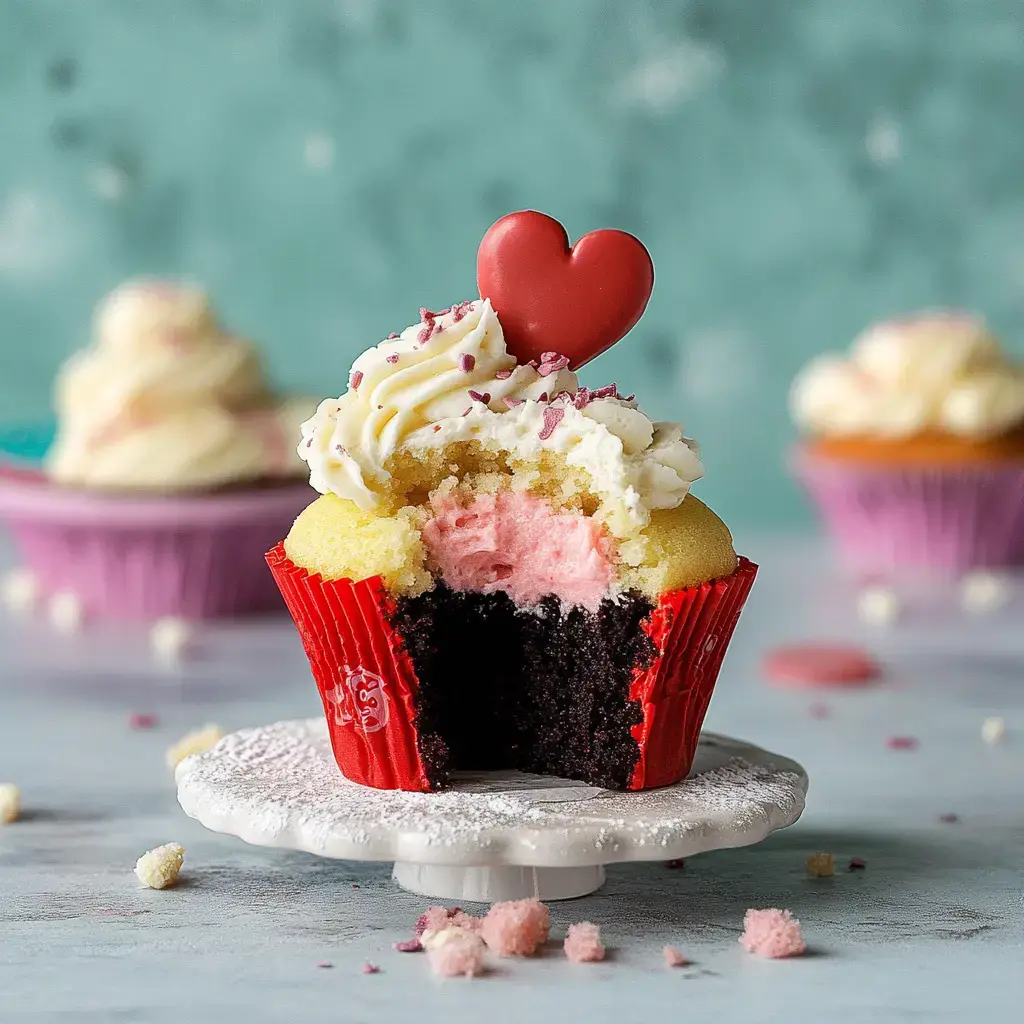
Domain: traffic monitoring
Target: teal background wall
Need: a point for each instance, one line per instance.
(328, 166)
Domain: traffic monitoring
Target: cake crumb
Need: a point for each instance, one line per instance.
(821, 865)
(456, 952)
(159, 868)
(66, 612)
(982, 592)
(949, 818)
(856, 864)
(369, 968)
(993, 730)
(772, 933)
(142, 720)
(194, 742)
(21, 590)
(673, 958)
(878, 605)
(324, 964)
(408, 946)
(516, 927)
(10, 803)
(169, 639)
(436, 919)
(583, 943)
(901, 743)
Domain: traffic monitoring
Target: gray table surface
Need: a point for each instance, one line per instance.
(932, 929)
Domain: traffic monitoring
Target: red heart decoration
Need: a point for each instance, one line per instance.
(552, 297)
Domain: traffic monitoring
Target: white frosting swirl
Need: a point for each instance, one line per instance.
(165, 400)
(940, 371)
(450, 378)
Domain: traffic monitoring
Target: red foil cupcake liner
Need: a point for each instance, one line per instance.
(368, 684)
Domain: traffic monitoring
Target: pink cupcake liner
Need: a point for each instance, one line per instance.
(945, 519)
(197, 556)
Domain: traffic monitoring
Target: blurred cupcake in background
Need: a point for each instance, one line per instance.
(914, 451)
(172, 470)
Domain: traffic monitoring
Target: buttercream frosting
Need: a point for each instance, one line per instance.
(450, 378)
(165, 399)
(934, 371)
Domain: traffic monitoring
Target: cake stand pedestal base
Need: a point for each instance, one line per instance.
(491, 835)
(489, 885)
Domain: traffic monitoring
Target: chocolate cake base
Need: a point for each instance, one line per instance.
(541, 690)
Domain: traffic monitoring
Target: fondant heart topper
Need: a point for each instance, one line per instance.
(577, 300)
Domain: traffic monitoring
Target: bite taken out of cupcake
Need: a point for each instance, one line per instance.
(914, 449)
(506, 569)
(172, 468)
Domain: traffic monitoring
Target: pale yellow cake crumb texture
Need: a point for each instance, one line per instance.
(10, 803)
(194, 742)
(679, 547)
(160, 868)
(821, 865)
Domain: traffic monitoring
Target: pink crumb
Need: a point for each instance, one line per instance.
(324, 963)
(820, 711)
(142, 720)
(369, 968)
(949, 819)
(516, 928)
(408, 946)
(772, 933)
(583, 943)
(901, 743)
(461, 955)
(856, 864)
(436, 919)
(673, 958)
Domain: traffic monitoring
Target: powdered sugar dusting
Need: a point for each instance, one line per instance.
(279, 785)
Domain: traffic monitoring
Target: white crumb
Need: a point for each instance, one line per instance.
(993, 730)
(194, 742)
(21, 590)
(66, 612)
(169, 639)
(160, 868)
(982, 592)
(10, 803)
(878, 605)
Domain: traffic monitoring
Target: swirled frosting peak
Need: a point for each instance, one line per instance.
(450, 378)
(931, 372)
(165, 399)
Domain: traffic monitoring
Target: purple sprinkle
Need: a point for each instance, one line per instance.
(503, 374)
(355, 379)
(408, 946)
(309, 442)
(393, 358)
(369, 968)
(477, 397)
(467, 362)
(552, 417)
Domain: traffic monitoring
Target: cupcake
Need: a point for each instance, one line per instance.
(915, 447)
(171, 470)
(505, 569)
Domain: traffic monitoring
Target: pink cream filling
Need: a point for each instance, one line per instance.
(514, 542)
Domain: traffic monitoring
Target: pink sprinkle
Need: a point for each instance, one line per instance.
(856, 864)
(502, 374)
(369, 968)
(548, 357)
(324, 963)
(341, 449)
(949, 818)
(583, 943)
(477, 397)
(901, 743)
(466, 362)
(426, 316)
(462, 955)
(543, 397)
(516, 927)
(678, 864)
(468, 411)
(460, 309)
(355, 379)
(673, 958)
(408, 946)
(142, 720)
(772, 933)
(513, 402)
(819, 710)
(391, 336)
(551, 362)
(393, 358)
(552, 417)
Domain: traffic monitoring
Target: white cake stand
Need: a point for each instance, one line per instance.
(492, 836)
